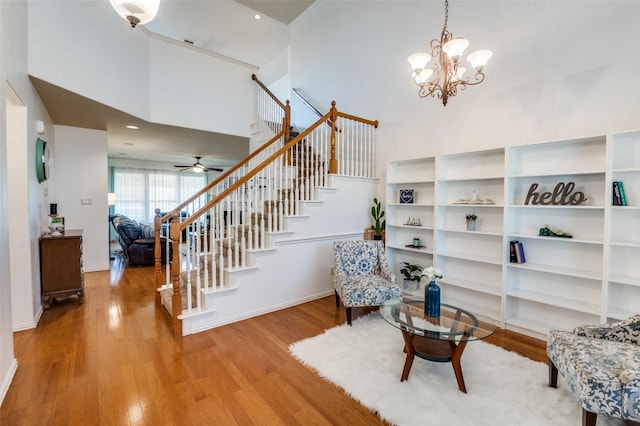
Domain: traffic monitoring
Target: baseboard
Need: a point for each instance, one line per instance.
(6, 382)
(28, 325)
(202, 324)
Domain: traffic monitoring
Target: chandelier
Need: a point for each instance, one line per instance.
(445, 76)
(136, 11)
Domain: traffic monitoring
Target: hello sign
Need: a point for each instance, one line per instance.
(562, 195)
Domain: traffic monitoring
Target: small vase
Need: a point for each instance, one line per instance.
(432, 299)
(471, 225)
(411, 285)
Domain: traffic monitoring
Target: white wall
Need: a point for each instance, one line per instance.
(560, 69)
(82, 174)
(192, 89)
(96, 55)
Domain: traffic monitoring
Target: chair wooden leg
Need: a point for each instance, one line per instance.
(588, 418)
(553, 375)
(349, 316)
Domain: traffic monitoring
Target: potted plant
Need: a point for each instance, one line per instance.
(412, 275)
(379, 225)
(471, 221)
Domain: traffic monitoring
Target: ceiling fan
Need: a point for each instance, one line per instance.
(198, 167)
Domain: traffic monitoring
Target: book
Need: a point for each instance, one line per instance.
(615, 193)
(623, 197)
(512, 252)
(520, 253)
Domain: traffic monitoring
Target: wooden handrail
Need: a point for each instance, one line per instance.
(275, 99)
(373, 123)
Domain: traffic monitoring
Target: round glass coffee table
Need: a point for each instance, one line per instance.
(438, 339)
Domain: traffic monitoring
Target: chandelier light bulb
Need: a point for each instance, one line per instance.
(455, 48)
(419, 60)
(479, 59)
(422, 78)
(136, 11)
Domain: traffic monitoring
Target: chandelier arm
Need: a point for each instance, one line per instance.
(479, 78)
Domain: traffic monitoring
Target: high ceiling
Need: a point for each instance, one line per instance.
(225, 27)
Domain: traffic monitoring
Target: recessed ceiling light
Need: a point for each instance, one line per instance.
(257, 16)
(128, 143)
(132, 127)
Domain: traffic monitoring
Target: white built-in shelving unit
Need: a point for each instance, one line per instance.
(419, 175)
(471, 261)
(592, 277)
(622, 280)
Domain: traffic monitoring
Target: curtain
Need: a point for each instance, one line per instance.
(140, 191)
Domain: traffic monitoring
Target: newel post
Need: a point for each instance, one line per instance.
(176, 298)
(157, 254)
(333, 162)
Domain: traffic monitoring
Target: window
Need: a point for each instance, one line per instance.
(141, 191)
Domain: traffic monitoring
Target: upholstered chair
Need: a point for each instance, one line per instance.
(601, 365)
(362, 276)
(625, 331)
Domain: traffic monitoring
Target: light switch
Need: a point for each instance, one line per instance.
(86, 201)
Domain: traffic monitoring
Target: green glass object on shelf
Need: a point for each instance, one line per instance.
(547, 232)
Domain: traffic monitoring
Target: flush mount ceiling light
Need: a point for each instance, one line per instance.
(445, 76)
(136, 11)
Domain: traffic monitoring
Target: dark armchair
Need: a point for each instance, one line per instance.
(137, 240)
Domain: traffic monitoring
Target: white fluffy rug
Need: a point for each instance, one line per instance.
(504, 388)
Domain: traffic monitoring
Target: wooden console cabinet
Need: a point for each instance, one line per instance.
(61, 272)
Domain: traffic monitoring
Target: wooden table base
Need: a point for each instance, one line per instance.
(433, 350)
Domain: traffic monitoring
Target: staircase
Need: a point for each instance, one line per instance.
(259, 237)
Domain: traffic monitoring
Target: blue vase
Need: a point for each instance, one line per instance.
(432, 299)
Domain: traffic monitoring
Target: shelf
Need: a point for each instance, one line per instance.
(464, 231)
(411, 182)
(472, 285)
(409, 205)
(537, 327)
(560, 302)
(472, 178)
(620, 314)
(578, 207)
(624, 244)
(627, 170)
(553, 240)
(426, 250)
(557, 270)
(471, 257)
(613, 208)
(420, 228)
(557, 174)
(625, 279)
(469, 205)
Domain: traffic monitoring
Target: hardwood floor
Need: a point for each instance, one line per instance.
(114, 361)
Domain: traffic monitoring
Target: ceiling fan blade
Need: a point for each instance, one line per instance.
(213, 169)
(181, 165)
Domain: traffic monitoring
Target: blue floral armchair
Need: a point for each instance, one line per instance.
(362, 276)
(601, 365)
